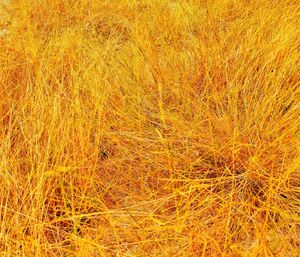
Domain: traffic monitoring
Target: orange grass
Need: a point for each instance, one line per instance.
(149, 128)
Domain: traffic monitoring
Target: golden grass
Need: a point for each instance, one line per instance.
(149, 128)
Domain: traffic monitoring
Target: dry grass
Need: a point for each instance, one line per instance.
(150, 128)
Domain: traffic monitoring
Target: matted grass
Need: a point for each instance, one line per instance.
(149, 128)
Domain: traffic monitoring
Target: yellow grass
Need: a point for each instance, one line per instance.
(150, 128)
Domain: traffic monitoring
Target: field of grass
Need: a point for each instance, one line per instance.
(150, 128)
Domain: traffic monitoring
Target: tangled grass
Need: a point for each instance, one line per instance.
(149, 128)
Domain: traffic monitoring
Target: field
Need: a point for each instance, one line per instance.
(150, 128)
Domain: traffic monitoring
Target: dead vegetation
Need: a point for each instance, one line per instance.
(149, 128)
